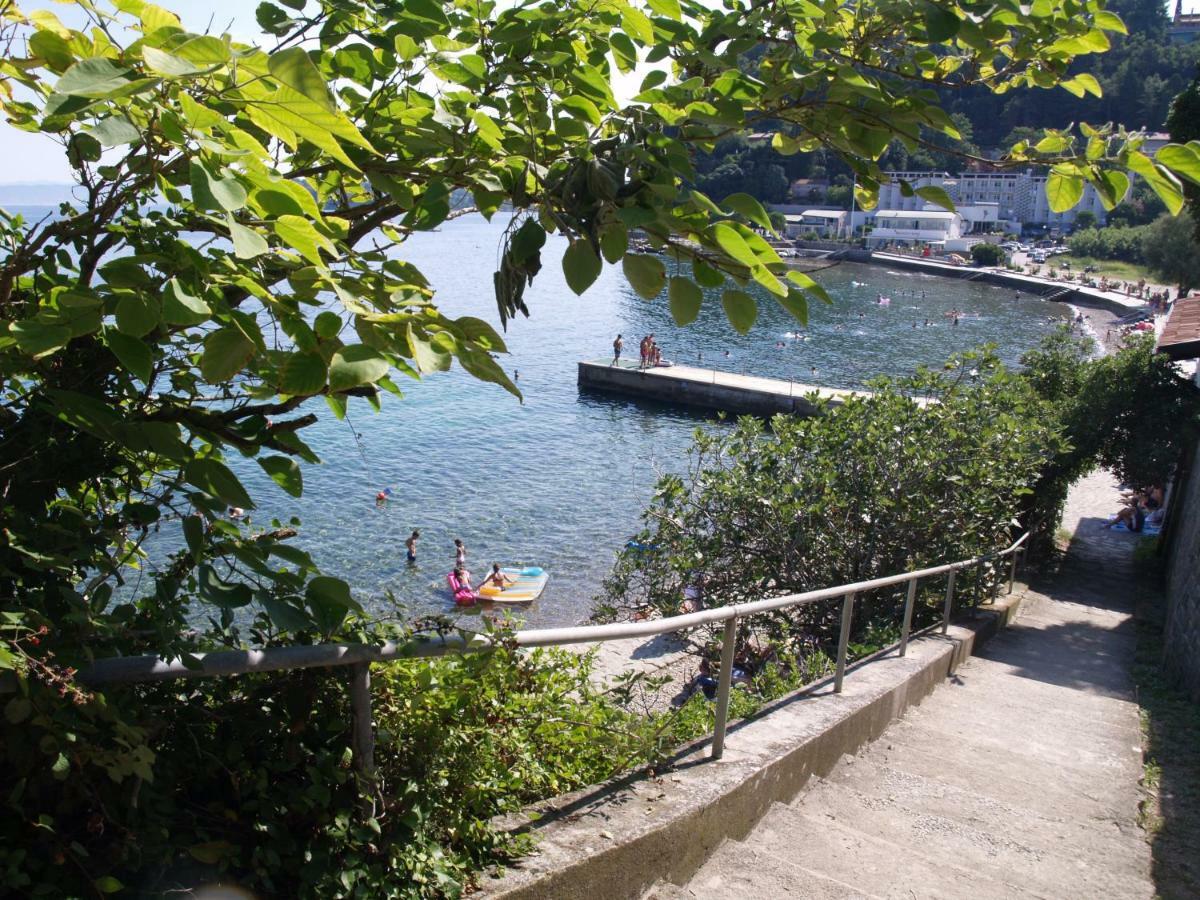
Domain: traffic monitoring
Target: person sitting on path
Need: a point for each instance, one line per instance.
(1132, 516)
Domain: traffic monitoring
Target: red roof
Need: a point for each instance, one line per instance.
(1181, 336)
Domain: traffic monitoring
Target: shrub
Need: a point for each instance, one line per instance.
(985, 254)
(870, 488)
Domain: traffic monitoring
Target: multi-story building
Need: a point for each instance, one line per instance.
(1019, 197)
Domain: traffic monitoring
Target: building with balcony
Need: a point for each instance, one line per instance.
(924, 227)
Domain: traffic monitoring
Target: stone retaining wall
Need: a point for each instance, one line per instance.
(1182, 638)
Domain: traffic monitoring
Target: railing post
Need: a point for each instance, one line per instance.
(363, 731)
(843, 642)
(979, 583)
(995, 580)
(723, 685)
(908, 614)
(949, 600)
(1012, 569)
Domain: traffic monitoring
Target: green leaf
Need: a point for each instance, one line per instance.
(39, 340)
(293, 67)
(807, 284)
(61, 768)
(941, 23)
(668, 8)
(1112, 187)
(330, 601)
(106, 884)
(733, 245)
(1052, 143)
(212, 852)
(936, 195)
(581, 266)
(182, 308)
(214, 477)
(51, 47)
(327, 589)
(740, 310)
(614, 240)
(1109, 21)
(137, 315)
(645, 273)
(796, 304)
(750, 208)
(162, 63)
(685, 300)
(1063, 191)
(131, 353)
(247, 243)
(355, 365)
(211, 192)
(300, 235)
(285, 472)
(1181, 159)
(193, 535)
(285, 616)
(95, 77)
(226, 352)
(637, 24)
(406, 48)
(114, 131)
(227, 595)
(581, 108)
(481, 365)
(706, 275)
(481, 333)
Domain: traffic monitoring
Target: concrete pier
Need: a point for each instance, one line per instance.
(708, 388)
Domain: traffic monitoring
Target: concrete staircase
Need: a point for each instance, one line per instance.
(1016, 778)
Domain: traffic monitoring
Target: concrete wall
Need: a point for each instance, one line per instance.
(1182, 637)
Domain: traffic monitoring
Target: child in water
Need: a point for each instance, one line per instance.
(411, 545)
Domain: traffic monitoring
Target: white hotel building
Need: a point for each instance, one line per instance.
(1011, 199)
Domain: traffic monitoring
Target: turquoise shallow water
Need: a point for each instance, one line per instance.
(560, 480)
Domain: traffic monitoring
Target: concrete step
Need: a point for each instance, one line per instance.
(980, 844)
(882, 777)
(814, 857)
(921, 749)
(738, 870)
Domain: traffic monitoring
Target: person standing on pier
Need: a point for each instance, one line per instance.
(617, 345)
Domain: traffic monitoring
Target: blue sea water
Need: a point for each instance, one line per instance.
(560, 479)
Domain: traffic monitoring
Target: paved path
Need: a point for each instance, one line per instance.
(1016, 778)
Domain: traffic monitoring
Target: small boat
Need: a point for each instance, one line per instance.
(524, 586)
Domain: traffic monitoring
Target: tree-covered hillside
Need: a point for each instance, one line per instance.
(1140, 75)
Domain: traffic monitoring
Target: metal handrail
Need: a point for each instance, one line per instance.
(360, 657)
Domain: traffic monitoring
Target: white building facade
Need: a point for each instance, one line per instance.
(925, 227)
(1019, 198)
